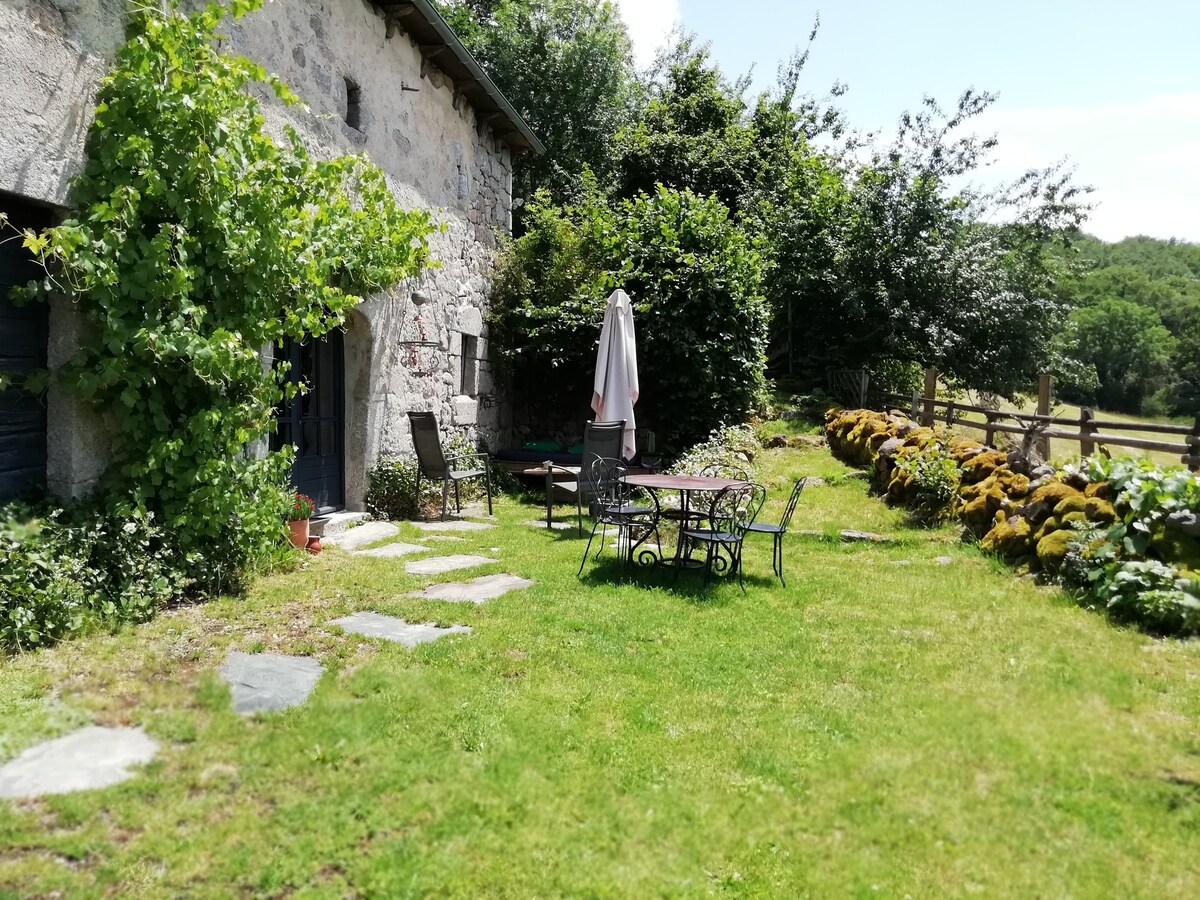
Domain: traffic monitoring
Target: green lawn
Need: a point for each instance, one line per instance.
(885, 726)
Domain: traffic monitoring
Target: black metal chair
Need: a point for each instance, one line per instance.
(601, 440)
(778, 531)
(732, 511)
(613, 505)
(434, 465)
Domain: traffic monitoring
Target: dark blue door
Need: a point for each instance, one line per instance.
(314, 420)
(22, 349)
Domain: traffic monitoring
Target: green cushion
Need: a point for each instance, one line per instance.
(575, 448)
(544, 446)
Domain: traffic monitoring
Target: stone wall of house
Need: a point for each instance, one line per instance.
(368, 89)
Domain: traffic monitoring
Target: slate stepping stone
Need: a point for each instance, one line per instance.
(354, 538)
(410, 634)
(445, 537)
(92, 757)
(943, 560)
(478, 590)
(265, 681)
(557, 526)
(453, 525)
(869, 536)
(436, 565)
(391, 551)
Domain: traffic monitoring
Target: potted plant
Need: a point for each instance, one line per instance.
(299, 514)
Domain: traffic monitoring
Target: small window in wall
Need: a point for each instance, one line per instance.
(353, 104)
(469, 380)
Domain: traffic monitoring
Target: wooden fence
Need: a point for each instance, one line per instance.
(1041, 427)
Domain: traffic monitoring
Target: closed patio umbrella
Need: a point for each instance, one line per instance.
(616, 385)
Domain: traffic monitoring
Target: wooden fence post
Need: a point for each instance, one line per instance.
(1087, 419)
(1192, 460)
(1043, 408)
(931, 377)
(949, 412)
(864, 385)
(916, 404)
(989, 433)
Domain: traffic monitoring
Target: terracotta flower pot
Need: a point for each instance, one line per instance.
(314, 545)
(299, 533)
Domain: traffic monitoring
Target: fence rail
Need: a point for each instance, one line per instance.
(1039, 427)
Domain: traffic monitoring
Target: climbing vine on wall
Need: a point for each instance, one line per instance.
(198, 240)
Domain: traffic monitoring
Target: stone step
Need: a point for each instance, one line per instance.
(478, 590)
(453, 525)
(268, 681)
(369, 533)
(333, 524)
(391, 551)
(92, 757)
(436, 565)
(389, 628)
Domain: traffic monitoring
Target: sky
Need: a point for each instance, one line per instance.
(1111, 87)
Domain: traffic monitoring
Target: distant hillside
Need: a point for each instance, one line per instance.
(1134, 337)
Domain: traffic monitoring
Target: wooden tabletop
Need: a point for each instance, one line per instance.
(682, 482)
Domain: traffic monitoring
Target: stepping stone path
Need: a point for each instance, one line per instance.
(445, 537)
(410, 634)
(354, 538)
(391, 551)
(265, 681)
(943, 560)
(436, 565)
(557, 526)
(868, 536)
(92, 757)
(478, 590)
(453, 525)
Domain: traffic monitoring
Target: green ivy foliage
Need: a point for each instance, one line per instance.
(695, 278)
(198, 241)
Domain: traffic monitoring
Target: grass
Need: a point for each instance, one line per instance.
(886, 725)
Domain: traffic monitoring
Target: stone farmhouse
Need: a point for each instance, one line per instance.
(387, 78)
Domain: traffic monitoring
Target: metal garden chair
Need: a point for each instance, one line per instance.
(613, 505)
(778, 531)
(601, 440)
(433, 464)
(731, 513)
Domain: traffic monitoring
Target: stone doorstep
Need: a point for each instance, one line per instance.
(92, 757)
(389, 628)
(369, 533)
(269, 681)
(333, 524)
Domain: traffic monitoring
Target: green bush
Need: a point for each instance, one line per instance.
(65, 571)
(392, 484)
(935, 481)
(732, 445)
(695, 279)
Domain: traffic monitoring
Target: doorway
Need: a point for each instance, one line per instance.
(314, 421)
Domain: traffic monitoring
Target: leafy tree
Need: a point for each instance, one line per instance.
(891, 268)
(695, 278)
(567, 67)
(1128, 347)
(692, 134)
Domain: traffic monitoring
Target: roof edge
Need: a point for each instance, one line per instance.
(519, 136)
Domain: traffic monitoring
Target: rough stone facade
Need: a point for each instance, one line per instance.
(369, 88)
